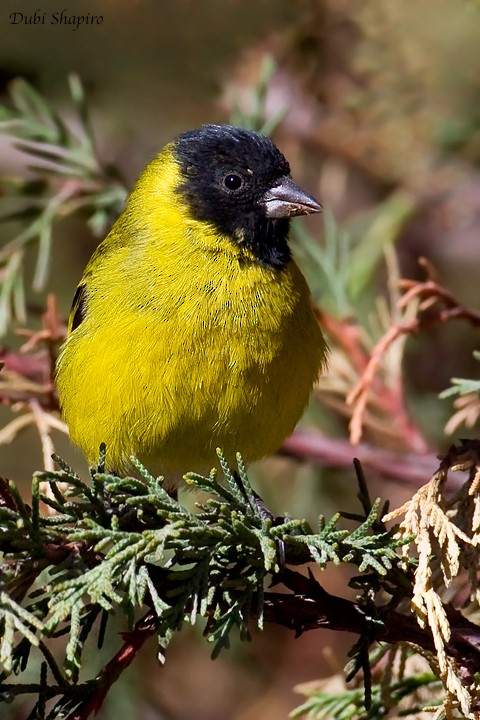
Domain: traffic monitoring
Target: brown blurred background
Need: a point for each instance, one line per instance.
(383, 99)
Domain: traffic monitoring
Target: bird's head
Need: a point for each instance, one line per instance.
(239, 182)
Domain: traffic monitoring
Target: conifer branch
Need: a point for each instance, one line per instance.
(123, 545)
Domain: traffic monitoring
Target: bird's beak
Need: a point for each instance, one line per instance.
(287, 199)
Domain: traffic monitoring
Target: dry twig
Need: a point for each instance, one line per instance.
(435, 305)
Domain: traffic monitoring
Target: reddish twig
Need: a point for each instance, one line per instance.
(358, 396)
(430, 294)
(29, 375)
(313, 446)
(134, 641)
(346, 335)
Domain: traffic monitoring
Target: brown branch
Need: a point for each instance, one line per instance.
(134, 641)
(310, 607)
(321, 450)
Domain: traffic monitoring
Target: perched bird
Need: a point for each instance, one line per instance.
(192, 327)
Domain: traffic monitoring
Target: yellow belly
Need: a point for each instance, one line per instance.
(228, 362)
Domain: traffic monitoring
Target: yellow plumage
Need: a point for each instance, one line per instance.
(187, 342)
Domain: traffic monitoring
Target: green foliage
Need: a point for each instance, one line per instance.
(117, 546)
(66, 177)
(350, 704)
(255, 117)
(326, 267)
(463, 386)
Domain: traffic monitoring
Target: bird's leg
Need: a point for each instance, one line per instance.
(266, 515)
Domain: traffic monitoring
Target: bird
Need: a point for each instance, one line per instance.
(193, 327)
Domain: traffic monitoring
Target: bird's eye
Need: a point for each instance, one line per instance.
(232, 181)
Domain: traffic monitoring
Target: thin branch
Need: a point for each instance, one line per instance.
(427, 314)
(313, 446)
(134, 641)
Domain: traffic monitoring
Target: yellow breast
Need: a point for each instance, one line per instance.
(188, 343)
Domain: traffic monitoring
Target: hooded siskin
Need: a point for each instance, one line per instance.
(192, 327)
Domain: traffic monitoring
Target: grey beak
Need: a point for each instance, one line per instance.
(287, 199)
